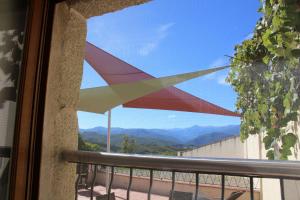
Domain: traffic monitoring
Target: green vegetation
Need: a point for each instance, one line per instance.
(128, 145)
(88, 146)
(265, 74)
(123, 143)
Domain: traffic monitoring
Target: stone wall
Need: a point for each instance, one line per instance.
(64, 78)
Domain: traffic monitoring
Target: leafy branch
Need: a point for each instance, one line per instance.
(265, 74)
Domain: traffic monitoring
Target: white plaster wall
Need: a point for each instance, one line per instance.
(292, 188)
(228, 148)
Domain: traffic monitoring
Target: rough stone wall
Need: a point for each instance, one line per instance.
(60, 125)
(64, 78)
(91, 8)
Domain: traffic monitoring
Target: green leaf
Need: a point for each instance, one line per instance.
(289, 140)
(268, 140)
(287, 102)
(284, 153)
(270, 154)
(296, 52)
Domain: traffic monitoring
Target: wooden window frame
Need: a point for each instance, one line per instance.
(26, 152)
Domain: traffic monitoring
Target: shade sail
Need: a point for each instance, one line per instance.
(102, 99)
(115, 71)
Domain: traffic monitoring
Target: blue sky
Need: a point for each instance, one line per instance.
(166, 38)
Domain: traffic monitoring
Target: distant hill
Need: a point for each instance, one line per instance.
(183, 137)
(209, 138)
(116, 139)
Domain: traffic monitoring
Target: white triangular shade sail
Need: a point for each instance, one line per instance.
(102, 99)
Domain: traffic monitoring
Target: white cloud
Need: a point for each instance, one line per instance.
(219, 77)
(221, 61)
(148, 48)
(222, 80)
(160, 33)
(171, 116)
(142, 41)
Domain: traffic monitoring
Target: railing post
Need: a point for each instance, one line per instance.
(197, 186)
(251, 189)
(111, 181)
(93, 181)
(223, 187)
(282, 189)
(173, 185)
(130, 182)
(77, 181)
(150, 184)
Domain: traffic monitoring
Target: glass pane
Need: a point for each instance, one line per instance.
(12, 26)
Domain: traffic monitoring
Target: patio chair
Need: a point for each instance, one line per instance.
(235, 195)
(178, 195)
(83, 172)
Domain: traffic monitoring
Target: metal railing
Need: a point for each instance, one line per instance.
(190, 178)
(248, 168)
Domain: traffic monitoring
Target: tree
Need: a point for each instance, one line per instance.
(265, 73)
(87, 146)
(128, 145)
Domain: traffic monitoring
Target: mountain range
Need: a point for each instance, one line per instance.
(191, 136)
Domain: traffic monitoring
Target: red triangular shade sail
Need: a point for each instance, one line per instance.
(116, 71)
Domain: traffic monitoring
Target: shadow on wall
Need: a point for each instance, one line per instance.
(11, 45)
(12, 25)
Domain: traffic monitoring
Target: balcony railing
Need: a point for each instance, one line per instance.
(246, 168)
(190, 178)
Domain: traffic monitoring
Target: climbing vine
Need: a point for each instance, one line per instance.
(265, 73)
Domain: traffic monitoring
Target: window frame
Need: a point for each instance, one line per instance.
(26, 151)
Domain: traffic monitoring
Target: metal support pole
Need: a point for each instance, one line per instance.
(108, 131)
(108, 146)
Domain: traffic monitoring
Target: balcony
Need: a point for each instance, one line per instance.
(117, 170)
